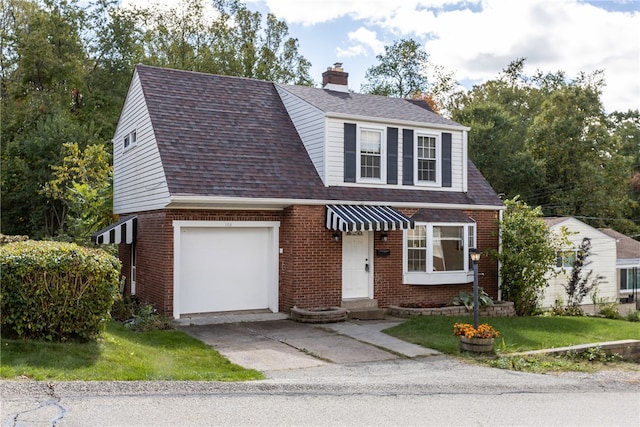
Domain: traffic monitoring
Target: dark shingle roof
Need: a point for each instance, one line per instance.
(626, 247)
(232, 137)
(358, 104)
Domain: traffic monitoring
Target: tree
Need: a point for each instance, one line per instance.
(547, 139)
(579, 284)
(403, 72)
(527, 257)
(82, 185)
(237, 42)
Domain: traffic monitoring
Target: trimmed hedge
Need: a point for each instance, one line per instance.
(56, 291)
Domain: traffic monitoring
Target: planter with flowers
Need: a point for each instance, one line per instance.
(475, 340)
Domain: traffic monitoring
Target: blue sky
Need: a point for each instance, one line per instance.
(474, 39)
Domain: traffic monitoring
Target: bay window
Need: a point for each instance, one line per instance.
(438, 253)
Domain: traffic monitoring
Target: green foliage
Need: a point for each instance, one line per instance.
(62, 89)
(579, 285)
(124, 307)
(609, 310)
(594, 354)
(120, 355)
(519, 334)
(547, 139)
(527, 257)
(82, 183)
(467, 299)
(56, 291)
(404, 70)
(633, 316)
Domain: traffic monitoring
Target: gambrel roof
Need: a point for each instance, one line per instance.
(221, 136)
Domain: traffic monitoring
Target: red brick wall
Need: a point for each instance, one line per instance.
(310, 267)
(388, 287)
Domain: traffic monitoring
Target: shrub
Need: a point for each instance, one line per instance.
(146, 319)
(56, 291)
(609, 310)
(124, 307)
(467, 299)
(633, 316)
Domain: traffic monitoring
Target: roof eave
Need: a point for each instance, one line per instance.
(243, 203)
(386, 120)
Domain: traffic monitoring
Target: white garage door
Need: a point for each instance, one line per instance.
(225, 268)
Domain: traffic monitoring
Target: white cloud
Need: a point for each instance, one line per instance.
(479, 38)
(363, 41)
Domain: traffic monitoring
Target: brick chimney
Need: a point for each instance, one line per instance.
(335, 78)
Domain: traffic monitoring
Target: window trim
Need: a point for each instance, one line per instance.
(560, 256)
(130, 140)
(383, 154)
(431, 277)
(438, 138)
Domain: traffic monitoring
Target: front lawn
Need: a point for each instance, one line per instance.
(120, 355)
(517, 333)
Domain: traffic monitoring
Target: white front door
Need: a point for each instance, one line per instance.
(357, 265)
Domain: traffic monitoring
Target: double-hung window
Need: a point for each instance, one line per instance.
(427, 162)
(438, 253)
(371, 162)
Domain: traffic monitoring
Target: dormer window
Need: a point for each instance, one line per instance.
(371, 162)
(427, 160)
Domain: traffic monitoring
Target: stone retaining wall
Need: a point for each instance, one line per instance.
(502, 309)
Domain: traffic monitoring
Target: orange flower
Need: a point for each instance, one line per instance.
(467, 330)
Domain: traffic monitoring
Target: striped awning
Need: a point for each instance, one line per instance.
(358, 217)
(123, 231)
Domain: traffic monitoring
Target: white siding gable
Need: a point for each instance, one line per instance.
(335, 154)
(310, 124)
(139, 182)
(603, 263)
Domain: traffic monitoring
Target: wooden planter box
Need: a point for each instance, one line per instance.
(476, 345)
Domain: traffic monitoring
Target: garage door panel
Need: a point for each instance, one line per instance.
(224, 269)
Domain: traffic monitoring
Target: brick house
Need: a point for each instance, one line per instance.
(238, 194)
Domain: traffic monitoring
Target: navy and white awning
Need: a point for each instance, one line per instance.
(123, 231)
(359, 217)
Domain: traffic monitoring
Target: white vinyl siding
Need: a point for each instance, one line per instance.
(602, 262)
(335, 155)
(139, 182)
(310, 124)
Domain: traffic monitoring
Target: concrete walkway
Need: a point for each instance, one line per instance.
(268, 342)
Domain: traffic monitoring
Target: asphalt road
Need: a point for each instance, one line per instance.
(432, 390)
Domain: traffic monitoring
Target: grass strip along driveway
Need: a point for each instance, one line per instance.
(518, 334)
(120, 355)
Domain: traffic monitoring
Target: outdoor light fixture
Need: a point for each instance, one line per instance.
(336, 237)
(384, 237)
(474, 253)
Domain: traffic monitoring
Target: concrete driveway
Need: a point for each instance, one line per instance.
(275, 343)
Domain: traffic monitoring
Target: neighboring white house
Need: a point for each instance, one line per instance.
(627, 264)
(602, 261)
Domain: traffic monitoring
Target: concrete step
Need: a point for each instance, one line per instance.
(367, 314)
(359, 303)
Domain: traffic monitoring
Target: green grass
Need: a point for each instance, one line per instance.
(120, 355)
(517, 333)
